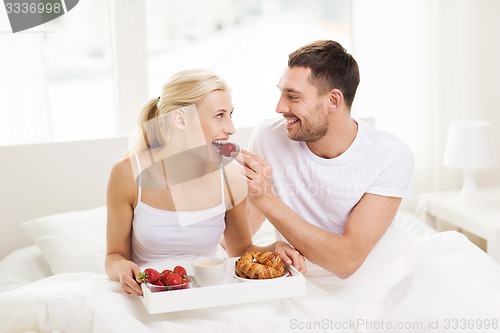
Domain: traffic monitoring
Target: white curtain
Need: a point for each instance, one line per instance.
(24, 108)
(424, 64)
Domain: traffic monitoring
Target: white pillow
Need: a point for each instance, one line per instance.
(22, 266)
(71, 242)
(412, 223)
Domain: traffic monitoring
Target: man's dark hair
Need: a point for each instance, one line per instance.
(331, 67)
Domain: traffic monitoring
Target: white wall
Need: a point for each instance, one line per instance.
(129, 62)
(424, 64)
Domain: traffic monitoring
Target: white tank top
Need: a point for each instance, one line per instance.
(159, 234)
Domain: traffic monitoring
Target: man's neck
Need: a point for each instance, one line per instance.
(338, 139)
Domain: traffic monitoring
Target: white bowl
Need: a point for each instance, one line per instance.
(154, 288)
(208, 271)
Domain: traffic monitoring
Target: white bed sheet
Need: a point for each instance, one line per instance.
(21, 267)
(406, 280)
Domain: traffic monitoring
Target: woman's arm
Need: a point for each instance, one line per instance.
(120, 201)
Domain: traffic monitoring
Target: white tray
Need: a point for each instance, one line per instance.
(231, 291)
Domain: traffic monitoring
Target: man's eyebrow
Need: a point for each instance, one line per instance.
(289, 90)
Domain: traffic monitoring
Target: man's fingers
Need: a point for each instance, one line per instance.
(257, 164)
(249, 173)
(239, 158)
(284, 256)
(250, 162)
(247, 162)
(260, 160)
(297, 260)
(300, 264)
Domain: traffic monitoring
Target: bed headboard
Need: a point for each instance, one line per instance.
(42, 179)
(49, 178)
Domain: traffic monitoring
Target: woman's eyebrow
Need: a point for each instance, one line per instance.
(223, 110)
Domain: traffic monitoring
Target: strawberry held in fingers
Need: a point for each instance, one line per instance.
(149, 275)
(227, 149)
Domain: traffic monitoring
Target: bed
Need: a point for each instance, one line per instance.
(52, 265)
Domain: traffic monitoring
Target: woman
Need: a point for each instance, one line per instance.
(174, 194)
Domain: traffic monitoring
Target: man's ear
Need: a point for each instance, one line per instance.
(179, 118)
(335, 98)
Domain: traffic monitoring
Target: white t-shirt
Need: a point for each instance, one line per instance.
(324, 191)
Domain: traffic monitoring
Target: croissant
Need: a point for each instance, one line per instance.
(260, 265)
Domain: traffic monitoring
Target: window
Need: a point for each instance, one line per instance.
(57, 81)
(79, 73)
(246, 42)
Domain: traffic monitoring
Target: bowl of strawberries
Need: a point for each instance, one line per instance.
(166, 280)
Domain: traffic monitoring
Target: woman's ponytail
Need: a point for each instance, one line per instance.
(148, 112)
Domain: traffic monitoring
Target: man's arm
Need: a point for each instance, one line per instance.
(255, 218)
(341, 255)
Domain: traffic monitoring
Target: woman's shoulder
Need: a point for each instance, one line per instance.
(135, 163)
(123, 166)
(124, 171)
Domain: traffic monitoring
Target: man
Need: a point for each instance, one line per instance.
(329, 184)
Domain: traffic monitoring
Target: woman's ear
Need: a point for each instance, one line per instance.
(179, 118)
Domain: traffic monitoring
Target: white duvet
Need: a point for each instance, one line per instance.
(442, 283)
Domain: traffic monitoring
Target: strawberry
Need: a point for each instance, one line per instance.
(164, 275)
(173, 279)
(149, 275)
(227, 148)
(180, 270)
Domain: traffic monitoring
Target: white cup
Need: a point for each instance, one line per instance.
(208, 271)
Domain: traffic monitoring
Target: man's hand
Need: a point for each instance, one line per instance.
(290, 256)
(259, 174)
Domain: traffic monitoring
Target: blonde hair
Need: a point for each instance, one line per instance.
(184, 89)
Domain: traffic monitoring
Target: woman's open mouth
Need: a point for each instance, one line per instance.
(225, 148)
